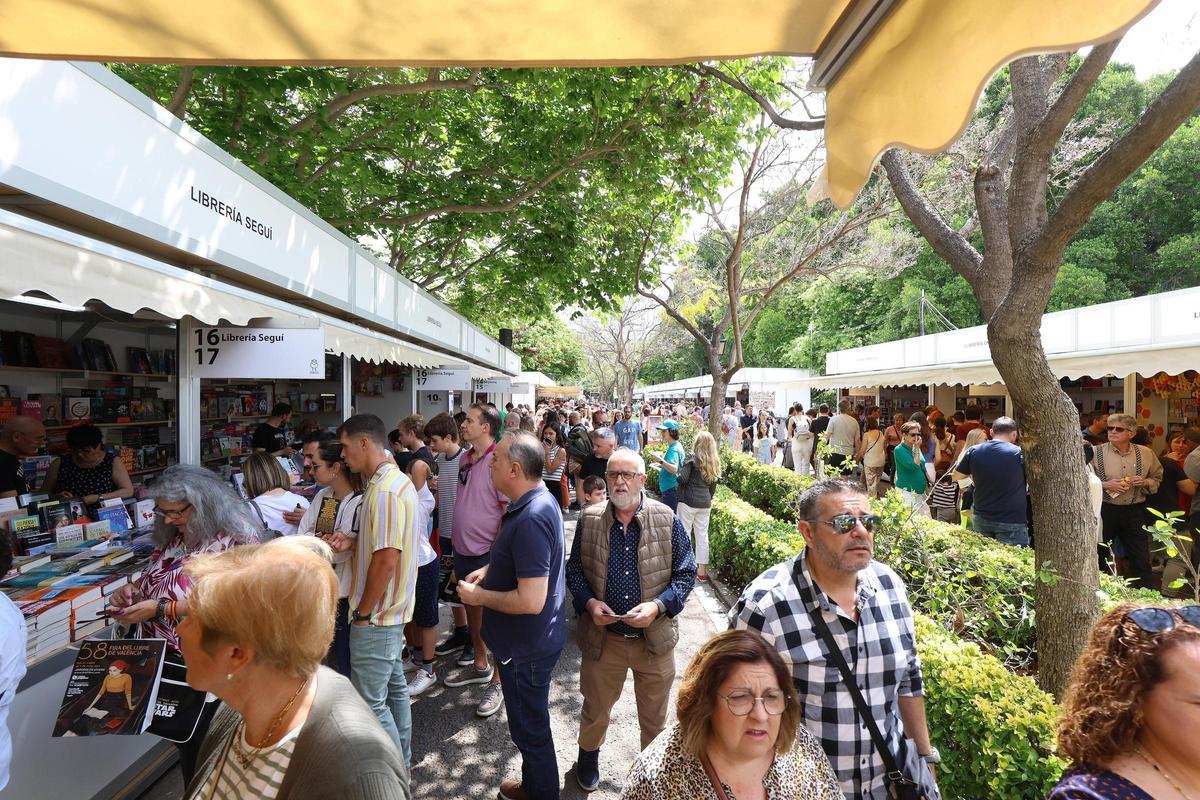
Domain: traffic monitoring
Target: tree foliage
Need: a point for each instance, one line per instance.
(549, 346)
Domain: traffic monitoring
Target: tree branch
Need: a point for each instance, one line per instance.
(341, 103)
(500, 207)
(1169, 110)
(737, 83)
(178, 103)
(956, 250)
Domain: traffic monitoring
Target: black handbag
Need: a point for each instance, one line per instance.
(897, 781)
(177, 707)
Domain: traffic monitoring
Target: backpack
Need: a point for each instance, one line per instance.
(579, 443)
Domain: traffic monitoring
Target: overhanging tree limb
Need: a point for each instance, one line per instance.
(178, 102)
(778, 119)
(339, 104)
(948, 244)
(1178, 101)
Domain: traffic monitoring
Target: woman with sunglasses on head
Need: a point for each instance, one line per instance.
(1132, 709)
(195, 512)
(911, 479)
(1129, 473)
(334, 509)
(738, 733)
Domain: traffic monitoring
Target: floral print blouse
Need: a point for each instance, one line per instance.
(164, 578)
(666, 770)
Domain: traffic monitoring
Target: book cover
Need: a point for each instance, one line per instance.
(42, 613)
(64, 534)
(77, 409)
(19, 525)
(116, 516)
(144, 513)
(24, 564)
(31, 408)
(101, 529)
(112, 688)
(76, 595)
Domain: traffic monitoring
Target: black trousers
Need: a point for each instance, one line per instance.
(1124, 524)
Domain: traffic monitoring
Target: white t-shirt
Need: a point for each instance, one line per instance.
(842, 431)
(343, 523)
(424, 522)
(731, 429)
(272, 507)
(12, 670)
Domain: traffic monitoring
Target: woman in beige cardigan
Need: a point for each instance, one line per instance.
(260, 621)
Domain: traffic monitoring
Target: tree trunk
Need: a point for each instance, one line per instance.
(716, 403)
(1064, 530)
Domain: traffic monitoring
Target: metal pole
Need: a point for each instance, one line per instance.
(922, 312)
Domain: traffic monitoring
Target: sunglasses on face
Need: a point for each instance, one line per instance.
(1161, 620)
(844, 523)
(1112, 429)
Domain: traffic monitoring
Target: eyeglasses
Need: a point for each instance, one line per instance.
(915, 435)
(623, 475)
(1160, 620)
(1112, 429)
(742, 702)
(844, 523)
(173, 514)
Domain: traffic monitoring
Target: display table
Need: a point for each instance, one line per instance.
(98, 767)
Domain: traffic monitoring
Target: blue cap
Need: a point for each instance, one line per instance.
(671, 425)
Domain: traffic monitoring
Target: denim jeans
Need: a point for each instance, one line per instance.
(377, 672)
(526, 688)
(670, 498)
(1014, 533)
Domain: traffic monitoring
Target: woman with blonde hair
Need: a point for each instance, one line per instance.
(268, 486)
(739, 732)
(1131, 701)
(697, 484)
(260, 622)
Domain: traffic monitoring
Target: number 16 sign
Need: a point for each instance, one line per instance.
(296, 353)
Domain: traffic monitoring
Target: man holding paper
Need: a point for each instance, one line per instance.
(630, 571)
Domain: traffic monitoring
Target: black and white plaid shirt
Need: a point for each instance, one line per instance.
(880, 648)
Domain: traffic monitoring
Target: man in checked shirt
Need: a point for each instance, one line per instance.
(866, 609)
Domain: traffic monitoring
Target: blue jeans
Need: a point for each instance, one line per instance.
(526, 688)
(1014, 533)
(670, 498)
(377, 672)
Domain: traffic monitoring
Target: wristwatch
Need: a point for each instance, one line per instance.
(357, 617)
(161, 611)
(933, 757)
(662, 607)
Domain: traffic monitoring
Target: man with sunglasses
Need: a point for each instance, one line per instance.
(1129, 473)
(631, 569)
(835, 584)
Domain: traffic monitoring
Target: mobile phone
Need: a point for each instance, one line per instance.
(613, 615)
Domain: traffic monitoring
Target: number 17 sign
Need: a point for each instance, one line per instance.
(296, 353)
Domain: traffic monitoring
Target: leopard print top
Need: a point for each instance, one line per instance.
(667, 771)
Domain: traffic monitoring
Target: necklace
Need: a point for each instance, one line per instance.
(1165, 776)
(246, 758)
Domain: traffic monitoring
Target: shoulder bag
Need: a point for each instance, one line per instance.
(268, 532)
(177, 707)
(897, 783)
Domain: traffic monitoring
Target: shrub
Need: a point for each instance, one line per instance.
(995, 729)
(744, 541)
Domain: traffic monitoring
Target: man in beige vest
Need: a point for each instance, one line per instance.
(630, 571)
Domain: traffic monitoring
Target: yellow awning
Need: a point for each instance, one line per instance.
(898, 72)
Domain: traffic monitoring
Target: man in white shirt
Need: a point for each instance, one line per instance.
(842, 435)
(12, 660)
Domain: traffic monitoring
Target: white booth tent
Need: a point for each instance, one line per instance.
(775, 388)
(1123, 339)
(528, 383)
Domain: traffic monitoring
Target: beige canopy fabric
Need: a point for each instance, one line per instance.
(898, 72)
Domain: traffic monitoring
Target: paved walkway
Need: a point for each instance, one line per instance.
(457, 755)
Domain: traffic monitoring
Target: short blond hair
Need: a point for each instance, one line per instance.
(263, 472)
(278, 599)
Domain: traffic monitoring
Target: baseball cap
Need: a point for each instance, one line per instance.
(671, 425)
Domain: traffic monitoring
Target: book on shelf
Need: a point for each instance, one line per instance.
(42, 613)
(81, 632)
(54, 514)
(77, 410)
(143, 513)
(112, 688)
(23, 564)
(53, 353)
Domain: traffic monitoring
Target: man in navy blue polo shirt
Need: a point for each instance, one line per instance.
(523, 595)
(998, 469)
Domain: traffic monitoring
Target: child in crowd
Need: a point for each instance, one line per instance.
(594, 491)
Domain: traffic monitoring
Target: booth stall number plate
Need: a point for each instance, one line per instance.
(427, 380)
(296, 353)
(493, 385)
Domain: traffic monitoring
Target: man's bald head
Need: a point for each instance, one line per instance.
(25, 435)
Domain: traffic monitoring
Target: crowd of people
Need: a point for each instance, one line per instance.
(315, 625)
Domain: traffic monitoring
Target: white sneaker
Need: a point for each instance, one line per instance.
(421, 683)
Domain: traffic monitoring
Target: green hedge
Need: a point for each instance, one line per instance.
(981, 589)
(995, 728)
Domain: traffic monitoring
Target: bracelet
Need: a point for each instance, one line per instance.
(162, 608)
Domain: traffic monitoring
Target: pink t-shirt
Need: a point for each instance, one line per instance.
(479, 506)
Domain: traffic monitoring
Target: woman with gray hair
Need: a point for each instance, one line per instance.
(194, 512)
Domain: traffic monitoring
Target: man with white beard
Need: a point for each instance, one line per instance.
(630, 571)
